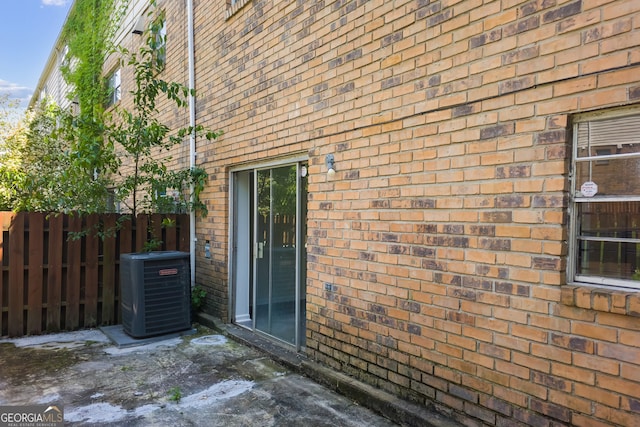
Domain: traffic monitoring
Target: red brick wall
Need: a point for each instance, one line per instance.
(444, 231)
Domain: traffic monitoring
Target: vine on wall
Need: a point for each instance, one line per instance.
(88, 34)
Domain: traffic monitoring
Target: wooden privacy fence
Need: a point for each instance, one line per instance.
(51, 282)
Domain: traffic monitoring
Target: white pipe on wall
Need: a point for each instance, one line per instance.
(192, 137)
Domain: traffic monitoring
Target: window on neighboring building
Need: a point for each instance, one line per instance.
(233, 6)
(158, 41)
(113, 84)
(605, 208)
(64, 56)
(112, 202)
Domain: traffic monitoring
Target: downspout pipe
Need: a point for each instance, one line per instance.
(192, 136)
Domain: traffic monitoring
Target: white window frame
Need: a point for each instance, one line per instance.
(162, 43)
(114, 82)
(576, 196)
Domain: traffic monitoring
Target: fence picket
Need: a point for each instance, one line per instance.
(126, 246)
(91, 278)
(141, 226)
(5, 221)
(183, 242)
(156, 229)
(35, 268)
(72, 298)
(54, 272)
(108, 272)
(171, 232)
(16, 275)
(126, 238)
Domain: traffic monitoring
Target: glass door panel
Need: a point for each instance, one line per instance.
(275, 241)
(302, 257)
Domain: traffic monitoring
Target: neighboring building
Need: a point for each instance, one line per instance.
(478, 244)
(52, 85)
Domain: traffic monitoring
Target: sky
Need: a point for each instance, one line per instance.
(28, 31)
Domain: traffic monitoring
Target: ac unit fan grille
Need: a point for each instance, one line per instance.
(162, 293)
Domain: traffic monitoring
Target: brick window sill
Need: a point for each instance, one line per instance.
(233, 9)
(616, 301)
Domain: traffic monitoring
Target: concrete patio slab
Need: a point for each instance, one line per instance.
(197, 378)
(204, 379)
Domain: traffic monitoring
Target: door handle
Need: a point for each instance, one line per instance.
(260, 250)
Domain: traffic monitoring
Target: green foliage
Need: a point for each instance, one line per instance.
(35, 164)
(88, 33)
(277, 191)
(156, 40)
(12, 139)
(59, 161)
(43, 164)
(168, 222)
(198, 295)
(151, 245)
(72, 160)
(175, 394)
(9, 114)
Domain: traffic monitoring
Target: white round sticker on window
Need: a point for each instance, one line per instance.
(589, 189)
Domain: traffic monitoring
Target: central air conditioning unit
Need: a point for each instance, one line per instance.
(155, 293)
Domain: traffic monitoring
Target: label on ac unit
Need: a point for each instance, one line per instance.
(168, 272)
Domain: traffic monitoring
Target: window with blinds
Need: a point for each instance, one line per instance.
(605, 207)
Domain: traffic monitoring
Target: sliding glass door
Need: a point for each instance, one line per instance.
(272, 213)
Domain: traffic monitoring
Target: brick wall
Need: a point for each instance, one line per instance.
(444, 231)
(176, 70)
